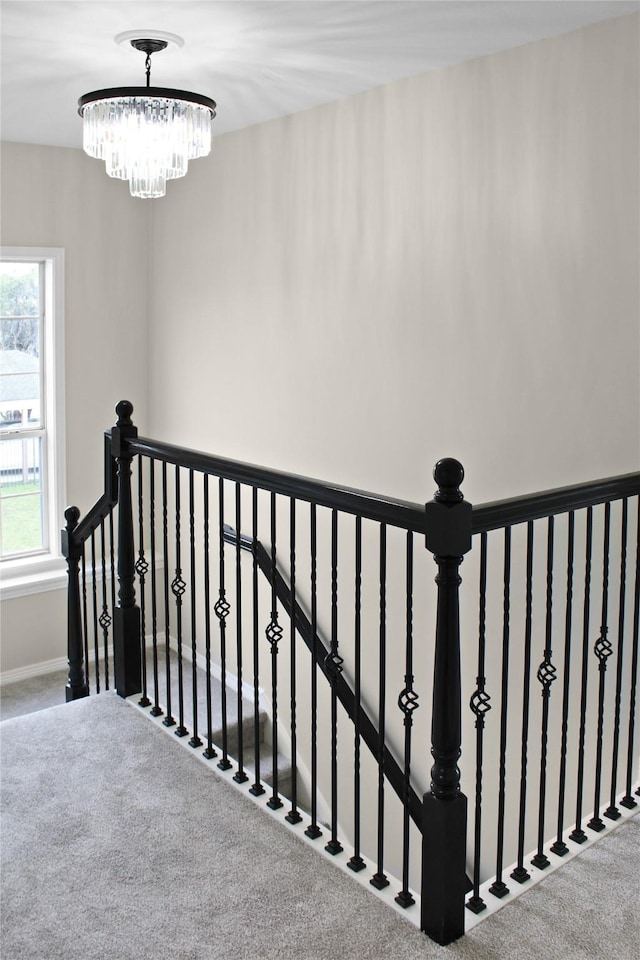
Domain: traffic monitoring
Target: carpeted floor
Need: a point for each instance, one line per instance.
(117, 843)
(36, 693)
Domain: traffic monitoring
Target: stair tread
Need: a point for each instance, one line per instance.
(248, 717)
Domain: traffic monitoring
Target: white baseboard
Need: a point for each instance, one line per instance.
(33, 670)
(61, 663)
(216, 670)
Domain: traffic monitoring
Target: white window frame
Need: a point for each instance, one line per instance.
(46, 570)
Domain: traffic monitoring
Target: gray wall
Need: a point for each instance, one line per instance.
(55, 197)
(447, 265)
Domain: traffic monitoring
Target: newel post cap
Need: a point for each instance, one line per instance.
(68, 548)
(124, 429)
(448, 515)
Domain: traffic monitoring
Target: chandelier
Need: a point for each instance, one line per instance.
(146, 135)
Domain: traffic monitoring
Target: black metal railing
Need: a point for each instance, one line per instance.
(560, 585)
(242, 588)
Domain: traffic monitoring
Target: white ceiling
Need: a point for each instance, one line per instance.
(259, 59)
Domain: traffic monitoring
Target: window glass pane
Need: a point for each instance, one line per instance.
(20, 326)
(21, 496)
(20, 462)
(22, 523)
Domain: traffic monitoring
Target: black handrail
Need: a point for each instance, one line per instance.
(345, 694)
(106, 503)
(372, 506)
(504, 513)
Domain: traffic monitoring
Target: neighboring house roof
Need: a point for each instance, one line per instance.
(20, 376)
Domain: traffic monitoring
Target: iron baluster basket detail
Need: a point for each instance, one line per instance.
(334, 663)
(178, 586)
(408, 701)
(273, 634)
(480, 703)
(222, 608)
(603, 650)
(546, 674)
(105, 619)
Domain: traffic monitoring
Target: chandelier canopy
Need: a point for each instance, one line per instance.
(146, 135)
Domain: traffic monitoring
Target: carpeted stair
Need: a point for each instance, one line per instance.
(285, 772)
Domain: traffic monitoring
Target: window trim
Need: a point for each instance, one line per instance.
(44, 571)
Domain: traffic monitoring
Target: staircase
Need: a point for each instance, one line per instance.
(235, 743)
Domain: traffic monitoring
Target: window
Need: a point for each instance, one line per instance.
(31, 408)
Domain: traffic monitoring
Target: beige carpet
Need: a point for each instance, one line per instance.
(117, 843)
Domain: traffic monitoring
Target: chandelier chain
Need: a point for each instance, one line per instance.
(147, 64)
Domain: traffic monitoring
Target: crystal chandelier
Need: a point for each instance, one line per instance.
(146, 135)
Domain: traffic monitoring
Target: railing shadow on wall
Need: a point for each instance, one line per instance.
(321, 595)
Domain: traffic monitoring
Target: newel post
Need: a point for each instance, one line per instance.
(126, 620)
(77, 686)
(448, 526)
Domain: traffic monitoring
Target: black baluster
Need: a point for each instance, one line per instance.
(499, 888)
(126, 624)
(168, 720)
(239, 776)
(356, 863)
(94, 609)
(559, 847)
(612, 811)
(178, 588)
(520, 874)
(77, 685)
(142, 568)
(546, 675)
(222, 610)
(113, 562)
(577, 834)
(293, 816)
(334, 667)
(256, 788)
(603, 651)
(480, 705)
(155, 711)
(407, 702)
(209, 752)
(448, 526)
(195, 740)
(85, 622)
(628, 801)
(274, 635)
(379, 880)
(105, 617)
(313, 831)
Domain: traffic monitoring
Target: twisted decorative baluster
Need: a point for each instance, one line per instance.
(520, 874)
(546, 676)
(356, 863)
(178, 589)
(222, 610)
(603, 650)
(480, 704)
(313, 831)
(274, 636)
(334, 668)
(559, 847)
(407, 702)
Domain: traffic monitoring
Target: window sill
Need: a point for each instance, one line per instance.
(21, 578)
